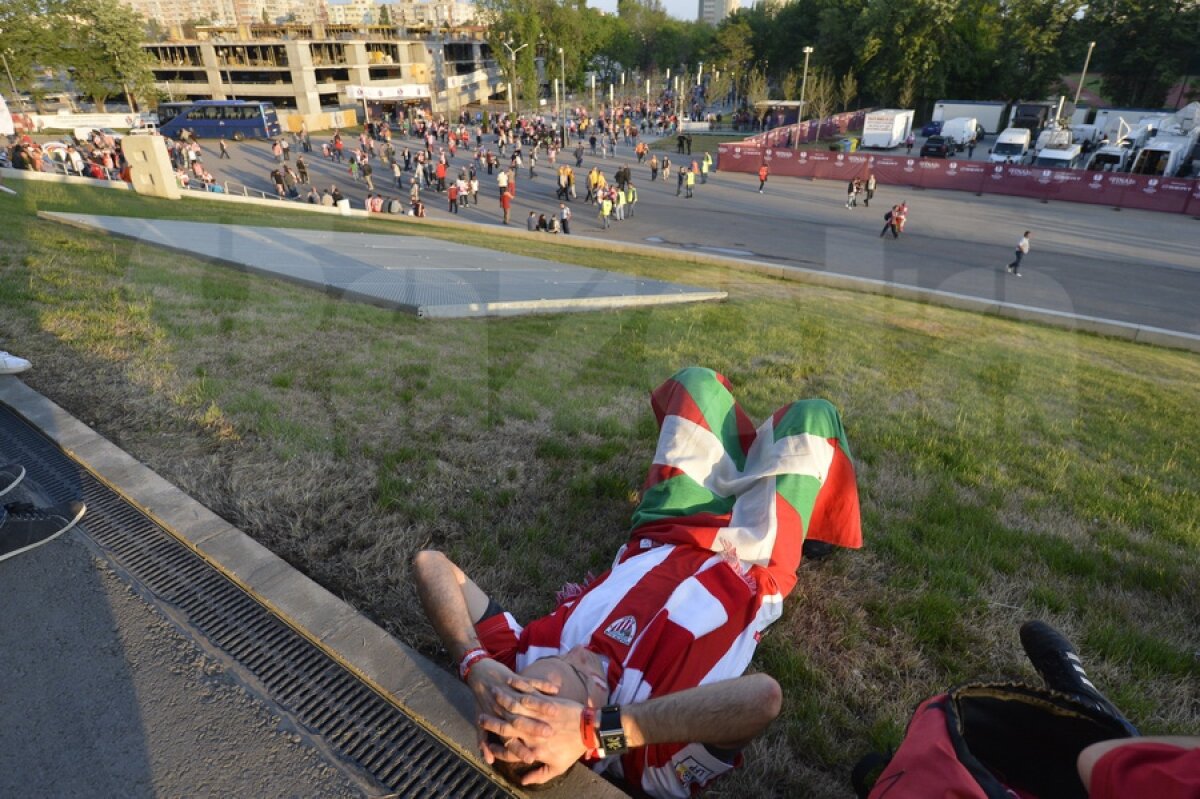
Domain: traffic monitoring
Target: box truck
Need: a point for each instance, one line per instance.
(989, 113)
(886, 128)
(1034, 116)
(1111, 158)
(1011, 147)
(961, 130)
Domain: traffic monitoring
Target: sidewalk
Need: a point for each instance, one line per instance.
(108, 690)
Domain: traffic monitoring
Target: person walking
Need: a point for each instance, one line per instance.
(302, 169)
(606, 207)
(224, 150)
(763, 171)
(506, 204)
(705, 165)
(682, 176)
(890, 222)
(1022, 250)
(852, 193)
(564, 216)
(870, 190)
(689, 182)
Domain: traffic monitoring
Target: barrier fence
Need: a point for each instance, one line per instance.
(1119, 190)
(810, 130)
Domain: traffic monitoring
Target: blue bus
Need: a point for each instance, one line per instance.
(220, 119)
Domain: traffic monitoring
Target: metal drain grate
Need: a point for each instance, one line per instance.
(353, 719)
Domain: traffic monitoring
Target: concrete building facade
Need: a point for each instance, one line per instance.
(308, 68)
(713, 11)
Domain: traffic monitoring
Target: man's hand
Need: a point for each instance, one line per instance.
(537, 729)
(496, 687)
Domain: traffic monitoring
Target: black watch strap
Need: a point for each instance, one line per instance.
(612, 732)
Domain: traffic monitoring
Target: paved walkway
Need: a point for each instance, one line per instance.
(106, 691)
(428, 277)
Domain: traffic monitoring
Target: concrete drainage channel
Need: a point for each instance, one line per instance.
(352, 719)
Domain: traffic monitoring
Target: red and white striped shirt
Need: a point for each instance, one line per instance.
(664, 618)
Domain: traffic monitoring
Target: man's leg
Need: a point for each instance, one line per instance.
(718, 483)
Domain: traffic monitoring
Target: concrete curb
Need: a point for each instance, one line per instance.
(429, 693)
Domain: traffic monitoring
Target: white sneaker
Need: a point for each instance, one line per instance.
(11, 364)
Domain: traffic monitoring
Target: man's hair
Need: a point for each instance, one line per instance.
(513, 772)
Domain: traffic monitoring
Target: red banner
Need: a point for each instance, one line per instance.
(1169, 195)
(739, 157)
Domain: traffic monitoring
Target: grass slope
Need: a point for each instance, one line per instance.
(1007, 471)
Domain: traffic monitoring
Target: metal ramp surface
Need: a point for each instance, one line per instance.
(427, 277)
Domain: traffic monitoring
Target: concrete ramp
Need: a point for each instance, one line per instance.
(427, 277)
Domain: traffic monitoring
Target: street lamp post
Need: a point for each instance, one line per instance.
(562, 65)
(803, 86)
(512, 54)
(1083, 77)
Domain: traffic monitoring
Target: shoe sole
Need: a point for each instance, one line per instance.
(70, 523)
(16, 481)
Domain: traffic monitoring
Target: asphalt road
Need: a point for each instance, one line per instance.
(1137, 267)
(102, 696)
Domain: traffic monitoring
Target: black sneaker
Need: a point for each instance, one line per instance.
(10, 476)
(24, 527)
(1056, 659)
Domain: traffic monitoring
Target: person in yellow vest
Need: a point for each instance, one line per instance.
(606, 206)
(631, 198)
(705, 166)
(593, 176)
(620, 204)
(691, 182)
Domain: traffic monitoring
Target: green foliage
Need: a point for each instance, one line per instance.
(97, 41)
(1142, 47)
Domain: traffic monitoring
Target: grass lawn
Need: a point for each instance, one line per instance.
(1007, 471)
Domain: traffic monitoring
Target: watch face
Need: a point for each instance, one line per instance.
(614, 744)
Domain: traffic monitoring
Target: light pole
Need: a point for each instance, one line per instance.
(562, 65)
(512, 54)
(1083, 77)
(803, 86)
(17, 97)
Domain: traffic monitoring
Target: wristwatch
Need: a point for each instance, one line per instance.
(612, 733)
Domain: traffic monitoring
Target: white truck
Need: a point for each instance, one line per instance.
(961, 130)
(1169, 151)
(886, 128)
(989, 113)
(1059, 156)
(1011, 147)
(1111, 158)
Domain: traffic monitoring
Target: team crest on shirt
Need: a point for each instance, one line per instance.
(622, 630)
(692, 772)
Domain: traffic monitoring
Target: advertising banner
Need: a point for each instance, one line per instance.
(1157, 194)
(1119, 190)
(739, 157)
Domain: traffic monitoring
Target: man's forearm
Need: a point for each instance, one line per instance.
(730, 713)
(441, 591)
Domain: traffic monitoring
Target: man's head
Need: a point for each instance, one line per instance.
(580, 676)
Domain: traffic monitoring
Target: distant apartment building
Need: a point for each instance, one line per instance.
(310, 67)
(713, 11)
(173, 13)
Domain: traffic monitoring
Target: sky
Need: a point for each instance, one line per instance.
(680, 9)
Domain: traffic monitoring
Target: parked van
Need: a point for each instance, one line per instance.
(962, 130)
(1111, 158)
(1059, 158)
(886, 128)
(1011, 147)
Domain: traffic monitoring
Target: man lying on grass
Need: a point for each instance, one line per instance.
(641, 672)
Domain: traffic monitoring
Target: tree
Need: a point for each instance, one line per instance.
(755, 88)
(719, 86)
(1142, 47)
(385, 14)
(101, 47)
(847, 90)
(789, 87)
(820, 94)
